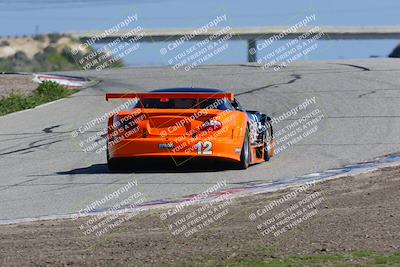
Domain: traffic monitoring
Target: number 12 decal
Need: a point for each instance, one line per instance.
(204, 148)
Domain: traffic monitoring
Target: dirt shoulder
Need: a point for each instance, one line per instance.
(17, 84)
(348, 216)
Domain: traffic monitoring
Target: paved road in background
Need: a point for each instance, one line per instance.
(45, 172)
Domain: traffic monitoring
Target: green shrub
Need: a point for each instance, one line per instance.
(54, 37)
(39, 37)
(46, 92)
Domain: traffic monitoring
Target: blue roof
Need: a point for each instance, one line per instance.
(188, 90)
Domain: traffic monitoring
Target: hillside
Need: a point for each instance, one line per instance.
(51, 52)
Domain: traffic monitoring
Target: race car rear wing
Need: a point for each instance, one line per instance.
(170, 95)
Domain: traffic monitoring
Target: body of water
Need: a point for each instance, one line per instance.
(27, 17)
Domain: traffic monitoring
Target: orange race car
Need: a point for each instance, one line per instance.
(183, 123)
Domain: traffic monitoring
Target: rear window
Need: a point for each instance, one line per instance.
(169, 103)
(185, 103)
(221, 104)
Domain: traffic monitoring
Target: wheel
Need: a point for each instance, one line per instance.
(113, 165)
(245, 154)
(266, 145)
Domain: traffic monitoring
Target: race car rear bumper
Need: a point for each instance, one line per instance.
(224, 148)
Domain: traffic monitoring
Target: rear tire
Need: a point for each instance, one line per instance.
(266, 150)
(246, 151)
(113, 164)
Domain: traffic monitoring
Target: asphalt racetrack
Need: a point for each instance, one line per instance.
(44, 170)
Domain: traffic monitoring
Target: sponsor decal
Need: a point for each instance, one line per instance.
(166, 146)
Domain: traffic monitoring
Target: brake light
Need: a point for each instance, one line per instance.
(211, 125)
(116, 122)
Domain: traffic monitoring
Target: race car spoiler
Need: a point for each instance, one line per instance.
(170, 95)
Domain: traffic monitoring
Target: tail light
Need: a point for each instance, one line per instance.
(116, 122)
(211, 125)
